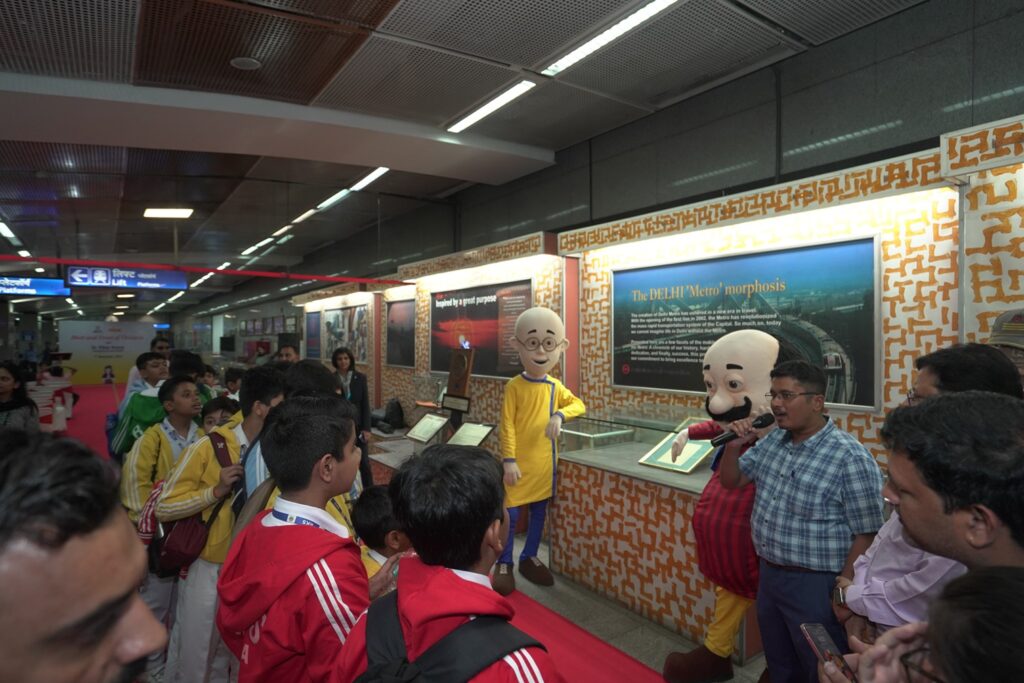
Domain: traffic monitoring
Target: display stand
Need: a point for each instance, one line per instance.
(426, 431)
(470, 434)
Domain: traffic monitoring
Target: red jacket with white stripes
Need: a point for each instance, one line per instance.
(289, 597)
(432, 602)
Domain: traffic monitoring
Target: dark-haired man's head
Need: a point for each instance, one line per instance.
(289, 353)
(956, 475)
(152, 367)
(70, 567)
(966, 367)
(310, 377)
(233, 379)
(218, 411)
(375, 522)
(262, 389)
(450, 502)
(309, 447)
(160, 345)
(187, 363)
(180, 398)
(798, 396)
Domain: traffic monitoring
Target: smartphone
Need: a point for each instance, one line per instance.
(826, 649)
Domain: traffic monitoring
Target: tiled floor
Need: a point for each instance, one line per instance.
(615, 624)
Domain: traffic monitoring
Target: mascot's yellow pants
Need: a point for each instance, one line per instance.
(729, 611)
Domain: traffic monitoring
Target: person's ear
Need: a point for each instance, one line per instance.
(982, 525)
(514, 341)
(393, 540)
(565, 344)
(325, 468)
(493, 539)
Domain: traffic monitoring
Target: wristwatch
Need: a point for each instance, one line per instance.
(839, 596)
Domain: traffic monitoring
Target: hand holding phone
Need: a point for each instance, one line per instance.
(826, 649)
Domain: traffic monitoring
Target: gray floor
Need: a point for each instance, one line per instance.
(616, 625)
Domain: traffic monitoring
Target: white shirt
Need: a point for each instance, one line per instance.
(473, 577)
(316, 515)
(375, 556)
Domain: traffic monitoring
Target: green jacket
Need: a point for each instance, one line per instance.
(142, 412)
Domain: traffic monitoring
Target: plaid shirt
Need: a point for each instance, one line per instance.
(812, 497)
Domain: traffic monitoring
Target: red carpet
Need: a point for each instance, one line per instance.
(87, 421)
(579, 655)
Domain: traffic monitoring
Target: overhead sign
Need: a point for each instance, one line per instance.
(37, 286)
(125, 278)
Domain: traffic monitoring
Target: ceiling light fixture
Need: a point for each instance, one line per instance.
(167, 213)
(283, 230)
(40, 270)
(118, 312)
(285, 239)
(494, 105)
(125, 296)
(600, 40)
(370, 178)
(304, 216)
(79, 311)
(70, 300)
(7, 232)
(176, 297)
(122, 307)
(258, 245)
(224, 265)
(246, 63)
(333, 199)
(24, 253)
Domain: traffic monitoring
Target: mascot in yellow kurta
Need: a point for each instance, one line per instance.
(532, 413)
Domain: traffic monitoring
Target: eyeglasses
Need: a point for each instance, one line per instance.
(534, 343)
(787, 396)
(916, 667)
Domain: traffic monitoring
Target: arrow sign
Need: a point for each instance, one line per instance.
(78, 276)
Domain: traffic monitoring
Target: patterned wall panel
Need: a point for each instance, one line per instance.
(994, 241)
(992, 145)
(530, 245)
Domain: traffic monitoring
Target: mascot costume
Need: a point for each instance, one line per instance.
(532, 412)
(737, 370)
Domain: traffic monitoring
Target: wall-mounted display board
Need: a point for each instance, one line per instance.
(821, 299)
(402, 333)
(480, 318)
(348, 327)
(313, 335)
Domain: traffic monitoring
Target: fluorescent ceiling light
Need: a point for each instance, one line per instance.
(285, 239)
(304, 216)
(332, 200)
(121, 307)
(600, 40)
(70, 301)
(251, 249)
(24, 252)
(224, 265)
(118, 312)
(79, 311)
(176, 297)
(40, 270)
(494, 105)
(5, 231)
(167, 213)
(125, 296)
(283, 230)
(370, 178)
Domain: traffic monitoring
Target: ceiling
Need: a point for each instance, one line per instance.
(111, 106)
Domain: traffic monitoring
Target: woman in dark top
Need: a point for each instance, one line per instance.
(355, 388)
(17, 410)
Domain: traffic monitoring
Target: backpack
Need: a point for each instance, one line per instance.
(394, 415)
(459, 656)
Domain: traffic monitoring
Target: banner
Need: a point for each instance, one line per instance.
(401, 333)
(313, 335)
(481, 318)
(101, 350)
(822, 300)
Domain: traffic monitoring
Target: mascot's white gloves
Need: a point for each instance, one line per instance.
(554, 427)
(680, 443)
(512, 473)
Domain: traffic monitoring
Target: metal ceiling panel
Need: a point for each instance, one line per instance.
(822, 20)
(556, 115)
(54, 187)
(69, 38)
(390, 78)
(694, 44)
(413, 184)
(362, 12)
(172, 162)
(524, 32)
(60, 157)
(317, 173)
(190, 44)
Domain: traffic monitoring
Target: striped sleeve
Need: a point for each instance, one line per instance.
(338, 593)
(529, 665)
(137, 473)
(185, 493)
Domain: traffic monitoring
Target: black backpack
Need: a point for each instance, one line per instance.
(458, 657)
(394, 415)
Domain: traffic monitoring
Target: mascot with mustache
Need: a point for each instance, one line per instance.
(737, 371)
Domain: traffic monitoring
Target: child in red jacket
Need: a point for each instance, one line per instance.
(293, 583)
(450, 501)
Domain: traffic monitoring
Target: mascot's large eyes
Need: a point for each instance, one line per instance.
(735, 385)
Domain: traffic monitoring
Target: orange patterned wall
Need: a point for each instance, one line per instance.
(991, 145)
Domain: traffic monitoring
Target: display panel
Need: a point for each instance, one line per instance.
(470, 434)
(481, 318)
(427, 428)
(402, 333)
(822, 300)
(313, 335)
(693, 453)
(348, 327)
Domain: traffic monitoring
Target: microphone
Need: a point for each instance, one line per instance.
(760, 422)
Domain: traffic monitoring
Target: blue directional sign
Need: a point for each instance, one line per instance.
(36, 286)
(125, 278)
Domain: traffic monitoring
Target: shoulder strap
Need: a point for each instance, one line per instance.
(220, 448)
(385, 644)
(471, 648)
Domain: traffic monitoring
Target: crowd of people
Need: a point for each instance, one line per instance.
(267, 554)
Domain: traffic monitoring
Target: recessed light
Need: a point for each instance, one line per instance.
(246, 63)
(40, 270)
(167, 213)
(125, 296)
(118, 312)
(122, 307)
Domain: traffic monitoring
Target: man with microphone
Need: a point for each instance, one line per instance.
(817, 508)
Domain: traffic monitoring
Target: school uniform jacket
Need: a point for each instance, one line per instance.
(434, 601)
(149, 461)
(289, 597)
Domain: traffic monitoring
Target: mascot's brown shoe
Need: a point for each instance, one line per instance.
(534, 571)
(699, 666)
(765, 678)
(502, 581)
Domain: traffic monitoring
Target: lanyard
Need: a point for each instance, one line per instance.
(293, 519)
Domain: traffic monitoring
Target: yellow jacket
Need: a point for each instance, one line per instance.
(149, 461)
(371, 565)
(189, 489)
(525, 412)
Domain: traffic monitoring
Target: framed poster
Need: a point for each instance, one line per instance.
(427, 428)
(348, 327)
(823, 300)
(401, 334)
(243, 326)
(313, 335)
(480, 318)
(291, 324)
(268, 326)
(693, 454)
(257, 326)
(279, 324)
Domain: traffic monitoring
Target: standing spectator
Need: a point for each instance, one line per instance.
(157, 345)
(816, 510)
(1008, 337)
(355, 387)
(17, 410)
(233, 382)
(151, 368)
(289, 353)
